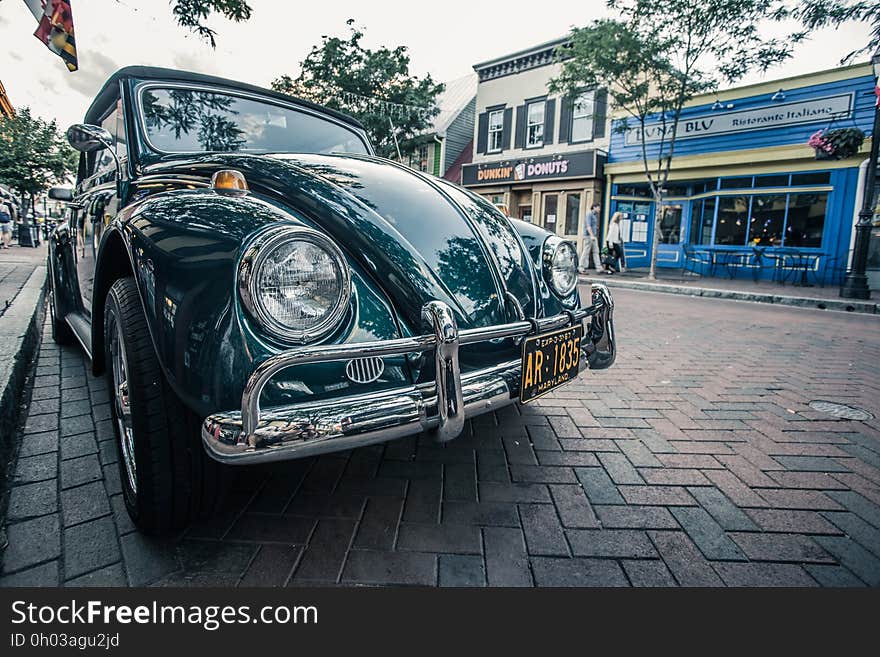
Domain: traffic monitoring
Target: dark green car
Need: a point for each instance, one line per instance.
(257, 285)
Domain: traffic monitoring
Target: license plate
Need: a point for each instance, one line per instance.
(549, 361)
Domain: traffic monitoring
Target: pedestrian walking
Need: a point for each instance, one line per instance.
(615, 261)
(6, 213)
(590, 249)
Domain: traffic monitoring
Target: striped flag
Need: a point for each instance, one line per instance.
(55, 28)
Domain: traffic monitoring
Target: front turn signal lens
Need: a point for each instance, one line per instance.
(229, 180)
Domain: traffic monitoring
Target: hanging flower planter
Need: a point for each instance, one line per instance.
(837, 143)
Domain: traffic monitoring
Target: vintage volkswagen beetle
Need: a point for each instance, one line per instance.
(257, 286)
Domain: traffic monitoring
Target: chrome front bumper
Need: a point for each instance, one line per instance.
(441, 407)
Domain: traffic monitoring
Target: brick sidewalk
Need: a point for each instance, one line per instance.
(695, 461)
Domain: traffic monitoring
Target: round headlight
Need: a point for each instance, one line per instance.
(560, 266)
(295, 283)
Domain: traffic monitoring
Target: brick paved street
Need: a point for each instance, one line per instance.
(694, 461)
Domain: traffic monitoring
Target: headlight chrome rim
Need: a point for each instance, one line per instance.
(263, 245)
(551, 247)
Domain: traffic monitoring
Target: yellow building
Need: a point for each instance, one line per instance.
(5, 106)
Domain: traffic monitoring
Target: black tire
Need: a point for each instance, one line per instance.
(175, 481)
(61, 332)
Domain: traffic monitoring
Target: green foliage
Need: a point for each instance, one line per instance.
(816, 14)
(33, 154)
(374, 86)
(656, 55)
(192, 14)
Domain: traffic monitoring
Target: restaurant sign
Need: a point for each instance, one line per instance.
(568, 165)
(758, 118)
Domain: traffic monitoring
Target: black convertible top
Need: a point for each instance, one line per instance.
(109, 91)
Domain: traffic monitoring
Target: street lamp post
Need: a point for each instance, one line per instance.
(855, 285)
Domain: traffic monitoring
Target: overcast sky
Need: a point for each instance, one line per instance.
(444, 38)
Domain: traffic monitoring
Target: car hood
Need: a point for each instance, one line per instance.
(421, 238)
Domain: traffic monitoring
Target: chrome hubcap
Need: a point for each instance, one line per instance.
(122, 404)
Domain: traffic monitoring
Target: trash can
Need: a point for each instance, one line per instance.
(28, 235)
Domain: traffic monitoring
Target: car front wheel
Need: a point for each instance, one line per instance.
(167, 478)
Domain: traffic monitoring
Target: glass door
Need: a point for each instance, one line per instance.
(551, 207)
(572, 218)
(635, 229)
(669, 253)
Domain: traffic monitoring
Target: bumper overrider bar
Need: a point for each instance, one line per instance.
(284, 432)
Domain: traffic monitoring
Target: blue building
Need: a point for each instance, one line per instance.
(743, 176)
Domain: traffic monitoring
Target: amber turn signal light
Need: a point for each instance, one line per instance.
(229, 180)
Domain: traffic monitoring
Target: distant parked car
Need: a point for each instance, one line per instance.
(257, 285)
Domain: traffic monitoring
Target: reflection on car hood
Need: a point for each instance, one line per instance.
(470, 252)
(421, 238)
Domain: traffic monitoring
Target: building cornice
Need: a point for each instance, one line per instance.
(541, 55)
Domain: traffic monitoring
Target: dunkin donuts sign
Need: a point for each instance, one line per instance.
(538, 168)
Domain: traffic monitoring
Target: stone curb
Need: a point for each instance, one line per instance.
(20, 328)
(867, 307)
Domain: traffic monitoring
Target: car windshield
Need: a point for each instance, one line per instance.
(190, 121)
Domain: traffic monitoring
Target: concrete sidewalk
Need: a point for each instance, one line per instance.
(22, 290)
(671, 281)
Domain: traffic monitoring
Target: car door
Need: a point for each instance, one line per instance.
(98, 198)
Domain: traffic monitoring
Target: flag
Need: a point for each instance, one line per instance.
(55, 28)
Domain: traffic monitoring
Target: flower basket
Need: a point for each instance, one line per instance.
(837, 143)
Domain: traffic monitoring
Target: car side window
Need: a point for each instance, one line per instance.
(115, 125)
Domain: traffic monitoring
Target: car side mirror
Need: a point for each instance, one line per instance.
(88, 138)
(61, 194)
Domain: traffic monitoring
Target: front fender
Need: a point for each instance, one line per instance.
(184, 248)
(533, 238)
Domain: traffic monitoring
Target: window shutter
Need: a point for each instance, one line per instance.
(549, 118)
(565, 120)
(483, 132)
(600, 113)
(505, 133)
(519, 140)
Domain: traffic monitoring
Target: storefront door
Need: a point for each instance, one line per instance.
(675, 215)
(551, 212)
(635, 228)
(571, 215)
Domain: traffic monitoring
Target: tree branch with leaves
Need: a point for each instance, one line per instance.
(34, 155)
(373, 85)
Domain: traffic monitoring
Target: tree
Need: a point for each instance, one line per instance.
(657, 55)
(192, 14)
(33, 154)
(816, 14)
(374, 86)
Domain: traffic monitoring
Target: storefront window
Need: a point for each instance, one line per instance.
(702, 218)
(496, 128)
(572, 213)
(670, 224)
(768, 220)
(550, 204)
(816, 178)
(771, 181)
(535, 130)
(634, 190)
(806, 219)
(736, 183)
(733, 221)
